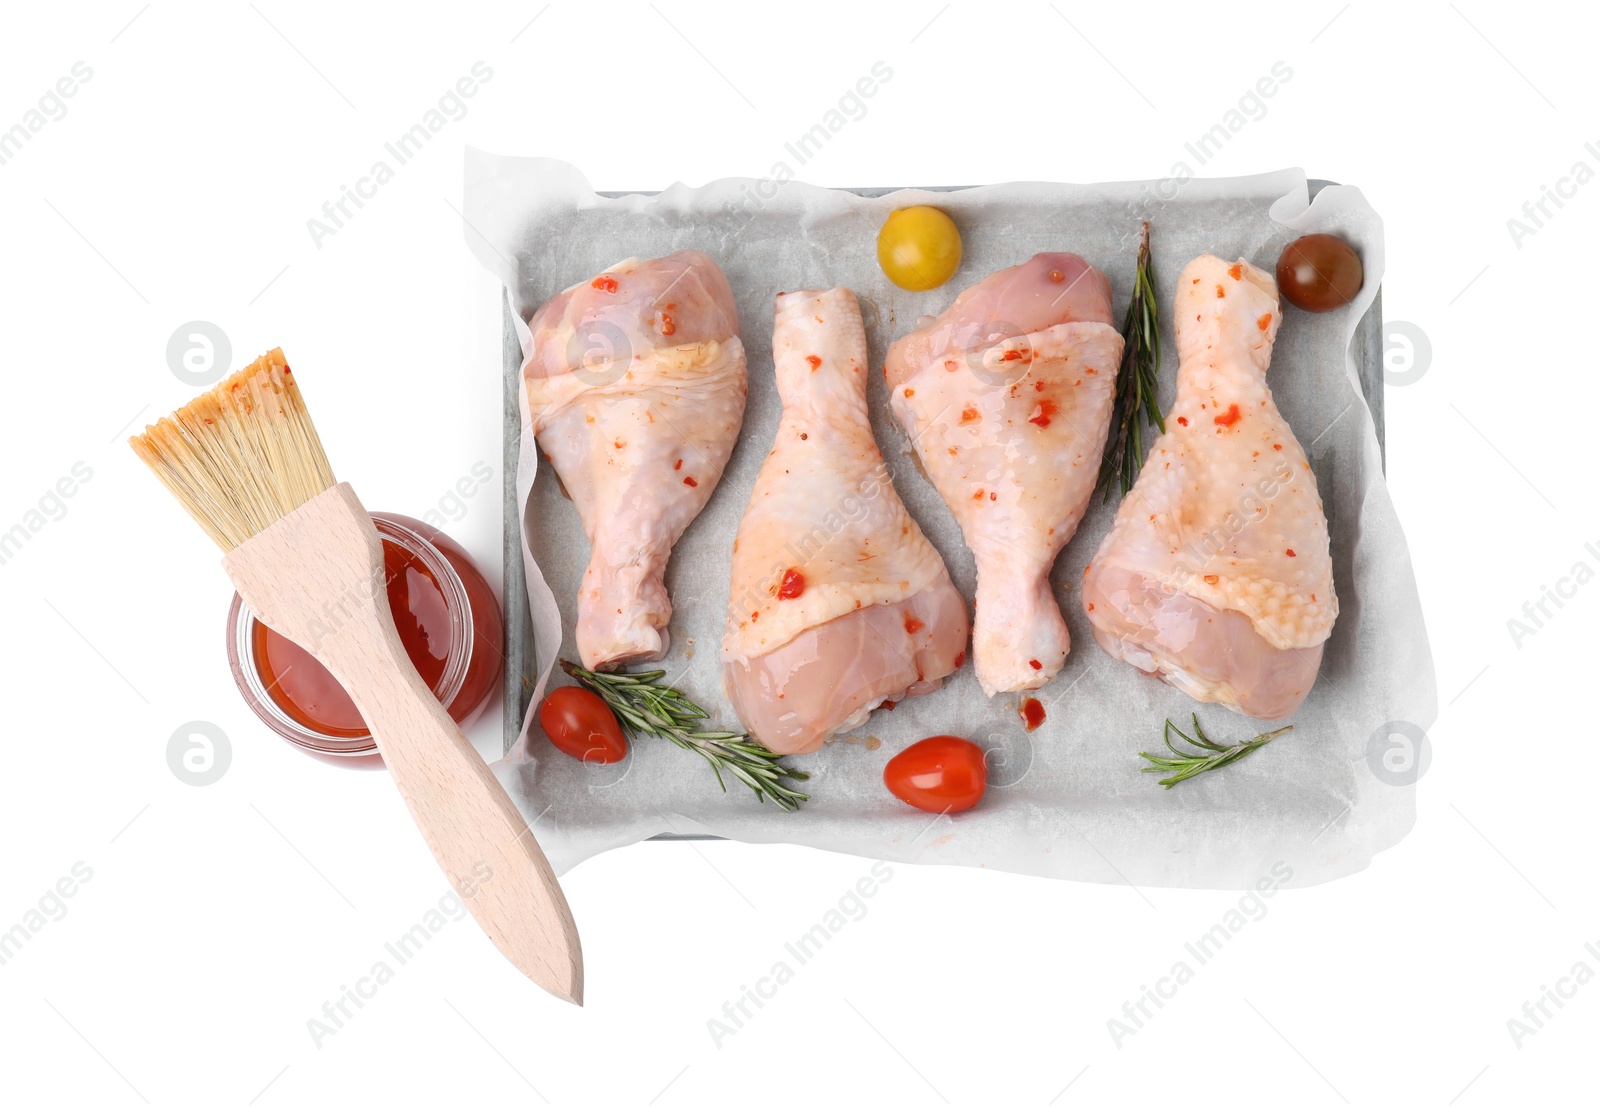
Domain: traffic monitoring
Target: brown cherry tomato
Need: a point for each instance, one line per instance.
(941, 774)
(580, 724)
(1318, 273)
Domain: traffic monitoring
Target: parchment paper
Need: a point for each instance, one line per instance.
(1067, 800)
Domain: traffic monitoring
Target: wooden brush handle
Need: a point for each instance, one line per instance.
(317, 577)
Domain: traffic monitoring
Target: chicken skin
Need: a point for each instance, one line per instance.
(1216, 576)
(837, 601)
(1007, 399)
(635, 387)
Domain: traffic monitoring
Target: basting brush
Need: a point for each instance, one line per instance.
(244, 460)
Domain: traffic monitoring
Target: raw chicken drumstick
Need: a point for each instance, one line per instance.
(837, 601)
(1007, 398)
(635, 387)
(1216, 575)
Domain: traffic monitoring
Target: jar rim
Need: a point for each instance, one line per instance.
(256, 692)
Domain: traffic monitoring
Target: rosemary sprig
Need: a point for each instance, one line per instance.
(644, 706)
(1136, 379)
(1211, 756)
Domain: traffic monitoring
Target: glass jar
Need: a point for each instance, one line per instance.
(449, 622)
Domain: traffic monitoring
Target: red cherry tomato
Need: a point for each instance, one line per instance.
(941, 774)
(580, 724)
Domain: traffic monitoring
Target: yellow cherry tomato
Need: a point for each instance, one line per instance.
(919, 248)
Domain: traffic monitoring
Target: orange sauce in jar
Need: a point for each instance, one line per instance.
(308, 694)
(449, 623)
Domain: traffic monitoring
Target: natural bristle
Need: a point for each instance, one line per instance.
(242, 456)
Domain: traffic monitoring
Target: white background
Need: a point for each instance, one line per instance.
(219, 919)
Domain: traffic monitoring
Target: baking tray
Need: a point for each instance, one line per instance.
(518, 679)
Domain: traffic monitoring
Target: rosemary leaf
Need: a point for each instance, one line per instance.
(645, 707)
(1211, 755)
(1137, 379)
